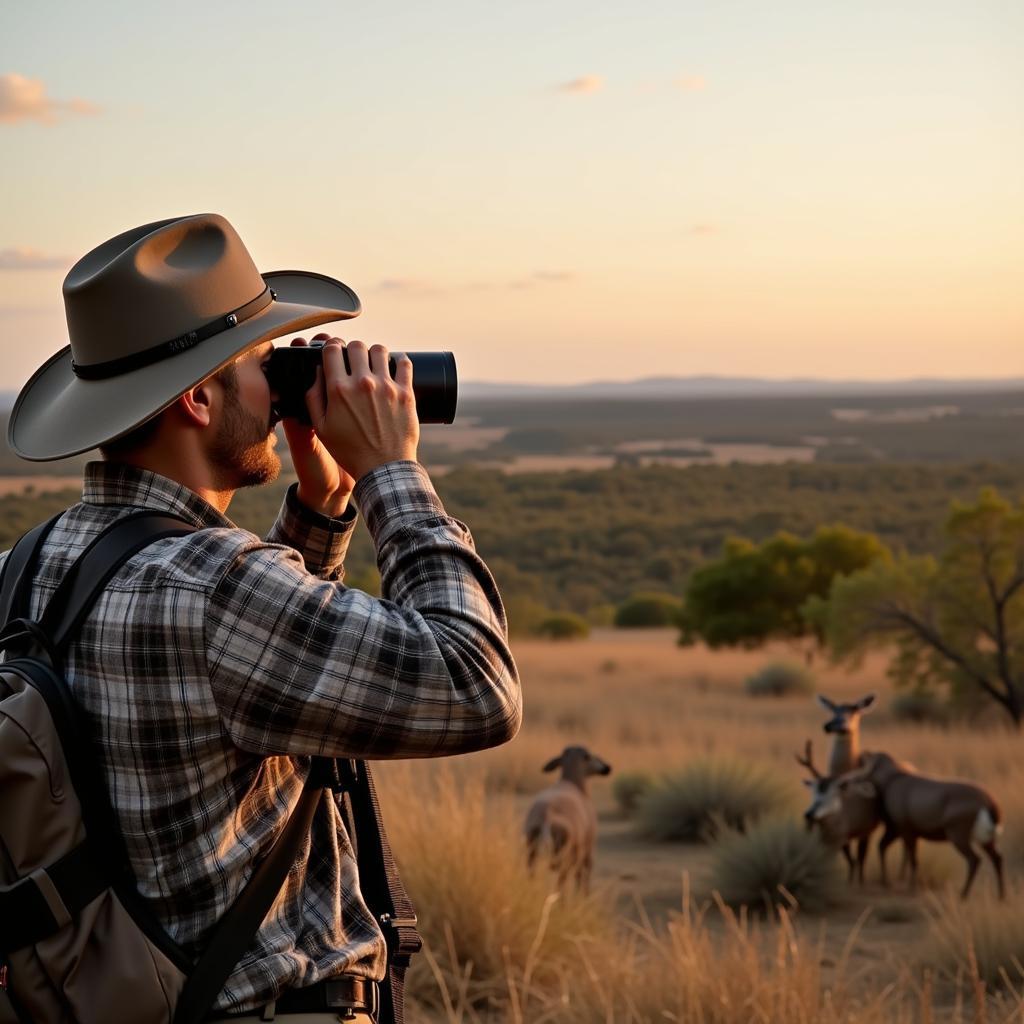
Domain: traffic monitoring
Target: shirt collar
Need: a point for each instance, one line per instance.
(115, 483)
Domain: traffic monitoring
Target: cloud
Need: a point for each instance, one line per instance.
(416, 287)
(408, 286)
(703, 229)
(31, 259)
(582, 86)
(25, 99)
(691, 83)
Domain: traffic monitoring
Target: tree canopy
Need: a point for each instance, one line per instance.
(757, 592)
(956, 620)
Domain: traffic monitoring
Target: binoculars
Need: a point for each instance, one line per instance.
(291, 372)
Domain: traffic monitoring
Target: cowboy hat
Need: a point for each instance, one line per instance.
(151, 313)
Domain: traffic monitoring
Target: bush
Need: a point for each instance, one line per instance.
(777, 862)
(709, 797)
(629, 789)
(563, 626)
(780, 679)
(919, 706)
(644, 611)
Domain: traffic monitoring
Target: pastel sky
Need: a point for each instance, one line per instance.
(558, 191)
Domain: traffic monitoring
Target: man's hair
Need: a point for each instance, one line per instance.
(138, 438)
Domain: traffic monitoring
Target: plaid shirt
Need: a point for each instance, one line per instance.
(214, 665)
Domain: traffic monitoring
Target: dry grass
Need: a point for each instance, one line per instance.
(501, 948)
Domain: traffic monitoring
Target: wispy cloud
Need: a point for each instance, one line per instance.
(25, 99)
(690, 83)
(582, 86)
(703, 229)
(31, 259)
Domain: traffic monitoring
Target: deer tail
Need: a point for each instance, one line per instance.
(986, 826)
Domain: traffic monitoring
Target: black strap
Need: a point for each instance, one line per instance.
(16, 578)
(382, 888)
(85, 580)
(26, 915)
(236, 929)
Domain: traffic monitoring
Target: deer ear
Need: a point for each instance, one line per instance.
(554, 763)
(826, 703)
(865, 702)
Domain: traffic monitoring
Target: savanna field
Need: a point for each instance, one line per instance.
(655, 940)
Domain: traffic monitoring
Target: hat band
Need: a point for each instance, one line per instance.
(125, 364)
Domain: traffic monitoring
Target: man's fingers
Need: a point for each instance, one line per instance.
(379, 360)
(296, 342)
(358, 358)
(316, 399)
(402, 370)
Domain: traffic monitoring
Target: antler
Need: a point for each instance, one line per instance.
(807, 761)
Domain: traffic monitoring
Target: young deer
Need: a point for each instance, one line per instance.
(918, 807)
(562, 818)
(841, 821)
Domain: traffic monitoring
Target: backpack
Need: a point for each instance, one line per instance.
(78, 945)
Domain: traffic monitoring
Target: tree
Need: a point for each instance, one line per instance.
(957, 621)
(755, 593)
(647, 610)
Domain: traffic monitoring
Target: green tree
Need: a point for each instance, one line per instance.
(755, 593)
(647, 610)
(957, 621)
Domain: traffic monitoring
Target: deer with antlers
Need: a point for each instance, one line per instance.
(843, 820)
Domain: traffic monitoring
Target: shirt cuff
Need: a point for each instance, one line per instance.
(396, 495)
(321, 540)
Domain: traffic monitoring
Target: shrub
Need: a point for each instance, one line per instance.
(710, 796)
(780, 679)
(648, 610)
(776, 863)
(919, 706)
(563, 626)
(629, 789)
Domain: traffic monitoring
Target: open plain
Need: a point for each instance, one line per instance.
(653, 941)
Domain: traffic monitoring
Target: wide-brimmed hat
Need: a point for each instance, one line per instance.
(151, 313)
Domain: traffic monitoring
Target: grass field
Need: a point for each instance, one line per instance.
(653, 942)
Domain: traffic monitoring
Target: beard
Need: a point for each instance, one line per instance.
(242, 453)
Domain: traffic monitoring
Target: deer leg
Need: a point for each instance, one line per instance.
(862, 856)
(997, 862)
(849, 863)
(888, 838)
(973, 860)
(910, 857)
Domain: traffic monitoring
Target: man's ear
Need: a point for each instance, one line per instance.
(195, 405)
(554, 763)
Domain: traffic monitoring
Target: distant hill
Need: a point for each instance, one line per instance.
(711, 387)
(735, 387)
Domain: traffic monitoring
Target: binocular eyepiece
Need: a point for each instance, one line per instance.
(291, 372)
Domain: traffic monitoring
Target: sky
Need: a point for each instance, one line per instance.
(558, 192)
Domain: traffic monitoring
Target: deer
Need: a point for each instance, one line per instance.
(918, 806)
(842, 820)
(562, 818)
(844, 728)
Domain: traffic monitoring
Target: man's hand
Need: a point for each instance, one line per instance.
(364, 418)
(324, 486)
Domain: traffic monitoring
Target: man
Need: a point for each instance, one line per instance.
(214, 665)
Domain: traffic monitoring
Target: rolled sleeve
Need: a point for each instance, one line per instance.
(301, 665)
(321, 540)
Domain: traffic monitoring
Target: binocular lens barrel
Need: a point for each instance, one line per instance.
(291, 372)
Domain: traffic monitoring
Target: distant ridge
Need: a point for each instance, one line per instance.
(737, 387)
(714, 387)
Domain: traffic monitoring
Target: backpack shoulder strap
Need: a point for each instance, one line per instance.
(16, 578)
(97, 565)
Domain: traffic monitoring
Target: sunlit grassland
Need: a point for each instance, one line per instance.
(501, 946)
